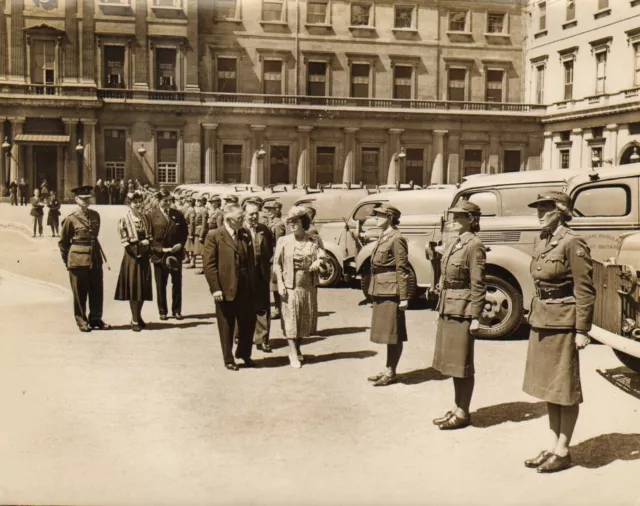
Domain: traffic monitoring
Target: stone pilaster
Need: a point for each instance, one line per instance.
(303, 175)
(349, 171)
(210, 140)
(437, 172)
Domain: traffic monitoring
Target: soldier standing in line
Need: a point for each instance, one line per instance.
(560, 317)
(190, 215)
(200, 230)
(83, 257)
(216, 217)
(278, 230)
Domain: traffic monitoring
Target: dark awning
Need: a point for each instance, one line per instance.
(42, 138)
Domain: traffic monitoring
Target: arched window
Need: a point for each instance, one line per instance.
(630, 155)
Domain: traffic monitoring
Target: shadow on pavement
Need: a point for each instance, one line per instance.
(602, 450)
(340, 331)
(508, 412)
(420, 376)
(623, 378)
(340, 355)
(166, 325)
(203, 316)
(276, 344)
(325, 313)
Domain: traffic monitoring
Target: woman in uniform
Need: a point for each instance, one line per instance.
(389, 290)
(202, 214)
(134, 280)
(462, 294)
(190, 217)
(53, 217)
(560, 317)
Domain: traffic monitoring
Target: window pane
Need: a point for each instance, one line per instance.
(279, 164)
(166, 68)
(564, 159)
(227, 75)
(515, 201)
(511, 161)
(360, 80)
(272, 11)
(115, 145)
(458, 21)
(494, 85)
(568, 80)
(542, 17)
(167, 143)
(317, 12)
(232, 163)
(370, 165)
(601, 71)
(402, 81)
(273, 77)
(113, 66)
(325, 157)
(225, 9)
(606, 201)
(571, 10)
(472, 161)
(360, 14)
(316, 79)
(487, 201)
(603, 4)
(404, 17)
(540, 85)
(495, 23)
(457, 83)
(414, 165)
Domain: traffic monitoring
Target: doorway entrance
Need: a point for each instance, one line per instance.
(45, 166)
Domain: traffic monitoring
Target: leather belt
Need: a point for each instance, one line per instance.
(554, 292)
(380, 270)
(83, 242)
(456, 285)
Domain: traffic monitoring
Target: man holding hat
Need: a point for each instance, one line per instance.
(169, 230)
(83, 257)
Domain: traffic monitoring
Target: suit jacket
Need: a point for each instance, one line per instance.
(221, 259)
(390, 267)
(263, 252)
(167, 233)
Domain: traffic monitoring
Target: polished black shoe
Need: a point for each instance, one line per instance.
(456, 422)
(539, 460)
(375, 377)
(248, 362)
(442, 419)
(100, 325)
(164, 317)
(84, 327)
(232, 367)
(136, 327)
(142, 323)
(555, 463)
(178, 316)
(264, 348)
(385, 380)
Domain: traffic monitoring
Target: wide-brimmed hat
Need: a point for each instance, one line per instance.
(297, 212)
(388, 211)
(172, 263)
(464, 206)
(560, 199)
(272, 204)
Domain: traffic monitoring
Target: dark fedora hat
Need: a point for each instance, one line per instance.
(172, 263)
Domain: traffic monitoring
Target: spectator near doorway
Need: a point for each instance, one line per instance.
(23, 189)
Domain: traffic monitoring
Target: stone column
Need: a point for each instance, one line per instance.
(547, 162)
(575, 161)
(493, 167)
(303, 176)
(395, 174)
(89, 159)
(72, 50)
(191, 50)
(349, 171)
(17, 40)
(437, 172)
(70, 158)
(141, 48)
(210, 172)
(611, 144)
(454, 170)
(257, 140)
(532, 161)
(17, 170)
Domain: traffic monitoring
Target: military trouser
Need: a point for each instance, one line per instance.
(87, 282)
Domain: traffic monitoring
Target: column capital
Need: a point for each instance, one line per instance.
(548, 135)
(305, 128)
(351, 130)
(440, 133)
(71, 121)
(90, 121)
(577, 131)
(396, 131)
(258, 128)
(612, 126)
(209, 126)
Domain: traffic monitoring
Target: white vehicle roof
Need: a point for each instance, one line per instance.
(418, 202)
(520, 178)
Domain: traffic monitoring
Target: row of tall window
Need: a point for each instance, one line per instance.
(279, 160)
(599, 7)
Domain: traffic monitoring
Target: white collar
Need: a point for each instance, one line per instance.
(232, 233)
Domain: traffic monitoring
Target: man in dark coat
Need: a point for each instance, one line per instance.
(229, 270)
(13, 192)
(169, 229)
(263, 248)
(23, 192)
(114, 193)
(83, 257)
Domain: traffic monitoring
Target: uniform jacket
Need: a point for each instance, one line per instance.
(54, 207)
(202, 216)
(283, 267)
(78, 242)
(166, 233)
(563, 260)
(190, 216)
(36, 206)
(278, 229)
(463, 264)
(263, 252)
(215, 219)
(390, 267)
(221, 259)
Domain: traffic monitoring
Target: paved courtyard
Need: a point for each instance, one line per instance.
(154, 418)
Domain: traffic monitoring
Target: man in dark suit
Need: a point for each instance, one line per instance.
(229, 269)
(263, 251)
(169, 229)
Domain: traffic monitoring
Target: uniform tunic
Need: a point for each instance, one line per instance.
(562, 271)
(53, 218)
(462, 294)
(200, 230)
(215, 220)
(389, 285)
(190, 216)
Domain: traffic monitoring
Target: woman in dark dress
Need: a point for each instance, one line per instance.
(462, 294)
(53, 217)
(134, 281)
(560, 317)
(389, 289)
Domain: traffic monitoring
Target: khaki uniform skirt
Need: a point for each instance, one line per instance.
(453, 355)
(552, 373)
(388, 323)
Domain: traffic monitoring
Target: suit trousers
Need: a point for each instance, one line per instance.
(263, 312)
(241, 312)
(37, 223)
(87, 283)
(162, 274)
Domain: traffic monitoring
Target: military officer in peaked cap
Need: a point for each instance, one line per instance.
(462, 295)
(83, 257)
(560, 317)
